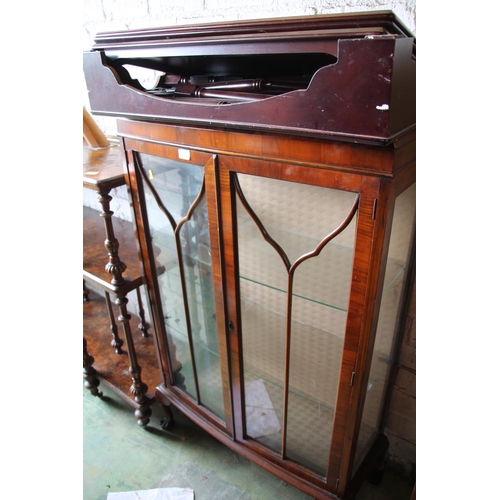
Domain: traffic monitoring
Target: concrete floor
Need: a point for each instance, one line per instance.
(120, 456)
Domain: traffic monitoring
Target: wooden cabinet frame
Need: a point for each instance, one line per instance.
(378, 178)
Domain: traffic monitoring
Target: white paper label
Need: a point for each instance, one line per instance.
(184, 154)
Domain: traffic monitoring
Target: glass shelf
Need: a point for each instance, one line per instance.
(263, 349)
(264, 346)
(270, 270)
(321, 285)
(260, 263)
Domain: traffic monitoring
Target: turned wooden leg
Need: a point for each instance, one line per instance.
(143, 326)
(116, 342)
(89, 373)
(139, 388)
(115, 266)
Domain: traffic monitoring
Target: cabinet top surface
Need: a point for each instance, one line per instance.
(303, 28)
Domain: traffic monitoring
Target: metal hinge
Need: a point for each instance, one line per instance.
(352, 378)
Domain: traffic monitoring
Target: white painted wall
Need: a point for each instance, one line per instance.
(107, 15)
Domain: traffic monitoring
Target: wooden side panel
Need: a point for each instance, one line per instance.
(371, 247)
(359, 301)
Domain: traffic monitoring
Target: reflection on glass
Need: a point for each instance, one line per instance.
(390, 308)
(178, 221)
(291, 386)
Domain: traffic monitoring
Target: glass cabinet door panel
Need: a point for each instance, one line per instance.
(317, 336)
(264, 327)
(178, 222)
(293, 310)
(387, 327)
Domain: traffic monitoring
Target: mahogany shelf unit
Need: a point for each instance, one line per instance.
(272, 174)
(108, 357)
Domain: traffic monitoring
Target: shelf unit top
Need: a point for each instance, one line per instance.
(102, 168)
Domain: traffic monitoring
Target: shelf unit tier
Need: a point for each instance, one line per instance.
(112, 368)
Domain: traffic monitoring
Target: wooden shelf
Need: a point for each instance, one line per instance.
(102, 168)
(112, 368)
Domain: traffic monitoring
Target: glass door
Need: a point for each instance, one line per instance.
(294, 254)
(294, 280)
(175, 216)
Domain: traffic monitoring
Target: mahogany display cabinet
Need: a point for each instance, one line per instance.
(271, 169)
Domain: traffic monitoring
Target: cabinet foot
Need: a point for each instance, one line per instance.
(168, 422)
(376, 473)
(375, 476)
(89, 373)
